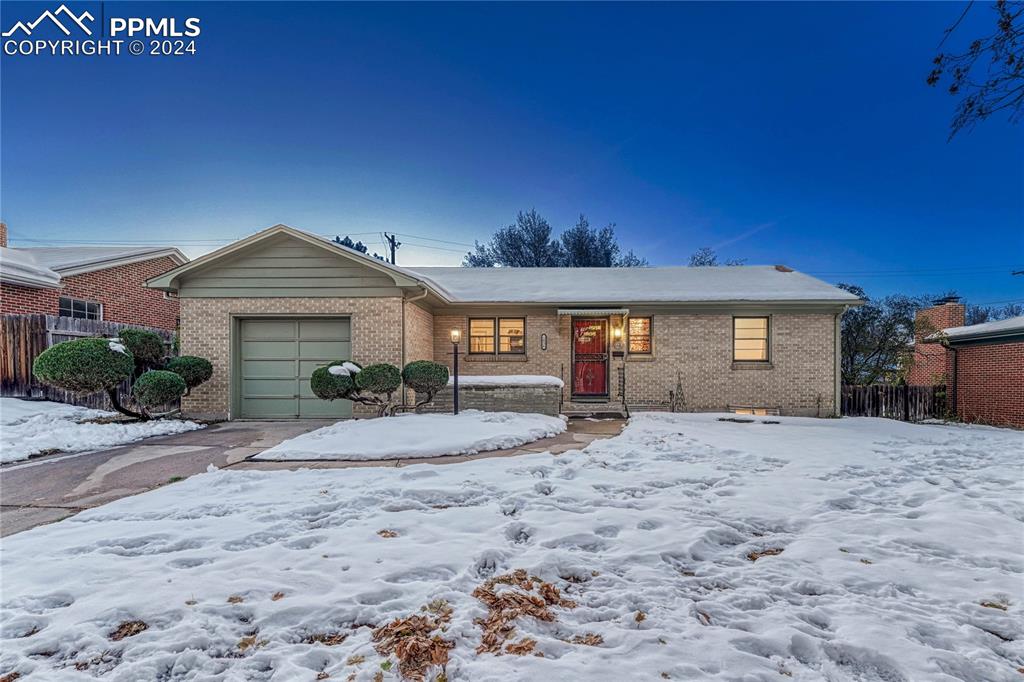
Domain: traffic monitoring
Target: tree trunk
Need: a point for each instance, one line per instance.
(116, 404)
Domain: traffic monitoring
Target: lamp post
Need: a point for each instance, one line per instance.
(456, 334)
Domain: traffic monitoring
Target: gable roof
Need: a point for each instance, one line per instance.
(566, 286)
(168, 280)
(21, 268)
(756, 283)
(75, 260)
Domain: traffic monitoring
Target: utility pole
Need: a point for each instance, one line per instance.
(393, 244)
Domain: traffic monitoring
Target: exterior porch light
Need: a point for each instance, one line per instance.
(456, 335)
(617, 332)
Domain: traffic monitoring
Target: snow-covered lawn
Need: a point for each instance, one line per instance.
(854, 549)
(30, 427)
(418, 435)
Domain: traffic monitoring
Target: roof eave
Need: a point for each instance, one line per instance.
(106, 263)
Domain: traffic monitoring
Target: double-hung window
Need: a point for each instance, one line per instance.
(750, 339)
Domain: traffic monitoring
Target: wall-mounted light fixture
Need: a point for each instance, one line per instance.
(543, 341)
(617, 333)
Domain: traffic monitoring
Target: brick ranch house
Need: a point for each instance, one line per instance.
(982, 365)
(270, 308)
(96, 283)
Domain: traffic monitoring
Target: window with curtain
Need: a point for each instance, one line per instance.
(481, 335)
(750, 339)
(511, 335)
(639, 335)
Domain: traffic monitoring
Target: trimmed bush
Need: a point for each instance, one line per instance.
(381, 378)
(157, 387)
(147, 347)
(327, 386)
(194, 370)
(424, 376)
(83, 365)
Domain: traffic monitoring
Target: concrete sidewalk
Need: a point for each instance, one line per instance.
(57, 486)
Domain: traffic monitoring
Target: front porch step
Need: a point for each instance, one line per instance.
(598, 412)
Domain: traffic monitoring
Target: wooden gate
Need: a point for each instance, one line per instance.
(906, 403)
(23, 337)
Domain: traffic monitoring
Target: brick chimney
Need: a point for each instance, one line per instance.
(933, 362)
(3, 233)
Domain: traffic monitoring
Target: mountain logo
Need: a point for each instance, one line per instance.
(68, 15)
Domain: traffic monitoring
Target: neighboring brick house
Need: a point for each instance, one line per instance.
(269, 309)
(982, 365)
(102, 283)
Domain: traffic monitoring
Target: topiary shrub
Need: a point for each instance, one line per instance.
(87, 366)
(328, 385)
(373, 385)
(84, 365)
(145, 346)
(158, 387)
(194, 370)
(426, 378)
(381, 378)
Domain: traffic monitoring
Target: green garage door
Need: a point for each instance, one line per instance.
(277, 357)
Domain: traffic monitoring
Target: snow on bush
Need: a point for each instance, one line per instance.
(418, 435)
(684, 549)
(32, 427)
(83, 365)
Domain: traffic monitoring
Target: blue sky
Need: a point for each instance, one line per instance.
(799, 133)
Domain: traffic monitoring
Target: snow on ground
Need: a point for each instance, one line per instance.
(507, 380)
(897, 558)
(418, 435)
(29, 427)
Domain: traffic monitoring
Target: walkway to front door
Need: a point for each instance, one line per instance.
(590, 358)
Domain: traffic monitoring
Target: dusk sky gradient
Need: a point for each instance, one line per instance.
(800, 133)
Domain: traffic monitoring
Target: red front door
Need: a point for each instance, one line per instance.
(589, 358)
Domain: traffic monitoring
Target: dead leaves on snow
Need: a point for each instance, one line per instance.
(387, 533)
(128, 628)
(325, 638)
(414, 641)
(509, 597)
(770, 551)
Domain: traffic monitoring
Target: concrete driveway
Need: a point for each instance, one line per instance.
(55, 487)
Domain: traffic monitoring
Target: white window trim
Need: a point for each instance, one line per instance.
(80, 300)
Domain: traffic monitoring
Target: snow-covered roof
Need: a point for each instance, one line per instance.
(568, 286)
(22, 268)
(1008, 327)
(630, 285)
(71, 260)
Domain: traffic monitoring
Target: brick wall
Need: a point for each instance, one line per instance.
(695, 348)
(990, 384)
(539, 399)
(206, 331)
(932, 363)
(120, 289)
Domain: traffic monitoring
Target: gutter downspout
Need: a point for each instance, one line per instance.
(952, 392)
(837, 372)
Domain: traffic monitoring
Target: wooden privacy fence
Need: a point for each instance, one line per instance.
(906, 403)
(23, 337)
